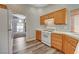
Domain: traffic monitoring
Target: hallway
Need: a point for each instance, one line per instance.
(19, 44)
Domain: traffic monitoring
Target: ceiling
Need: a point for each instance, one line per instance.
(38, 5)
(30, 5)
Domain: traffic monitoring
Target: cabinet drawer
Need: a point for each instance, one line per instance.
(56, 39)
(57, 35)
(56, 42)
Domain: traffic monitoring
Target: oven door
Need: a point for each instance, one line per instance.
(46, 38)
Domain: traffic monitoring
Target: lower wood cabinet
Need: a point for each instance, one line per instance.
(64, 43)
(57, 41)
(68, 48)
(57, 45)
(69, 44)
(38, 35)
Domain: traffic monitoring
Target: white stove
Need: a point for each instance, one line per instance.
(46, 37)
(46, 34)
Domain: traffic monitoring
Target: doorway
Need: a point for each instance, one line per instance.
(19, 32)
(19, 26)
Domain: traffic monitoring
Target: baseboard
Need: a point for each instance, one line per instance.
(30, 39)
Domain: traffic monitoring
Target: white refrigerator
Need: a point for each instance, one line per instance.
(6, 39)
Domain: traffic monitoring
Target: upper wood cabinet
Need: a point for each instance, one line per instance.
(3, 6)
(42, 20)
(59, 17)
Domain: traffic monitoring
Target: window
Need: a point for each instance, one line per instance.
(75, 21)
(20, 26)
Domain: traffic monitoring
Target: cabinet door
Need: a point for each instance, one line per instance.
(69, 44)
(42, 20)
(38, 35)
(60, 17)
(57, 41)
(57, 45)
(72, 41)
(68, 48)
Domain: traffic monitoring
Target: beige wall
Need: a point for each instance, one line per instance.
(36, 12)
(33, 16)
(69, 7)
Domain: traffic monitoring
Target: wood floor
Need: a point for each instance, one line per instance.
(32, 47)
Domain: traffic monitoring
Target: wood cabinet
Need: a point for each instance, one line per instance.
(64, 43)
(59, 17)
(42, 20)
(69, 44)
(3, 6)
(57, 41)
(68, 48)
(38, 35)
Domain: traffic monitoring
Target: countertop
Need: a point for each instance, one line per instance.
(72, 34)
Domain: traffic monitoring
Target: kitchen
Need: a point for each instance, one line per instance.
(54, 26)
(61, 40)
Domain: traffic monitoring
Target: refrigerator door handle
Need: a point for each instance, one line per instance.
(9, 29)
